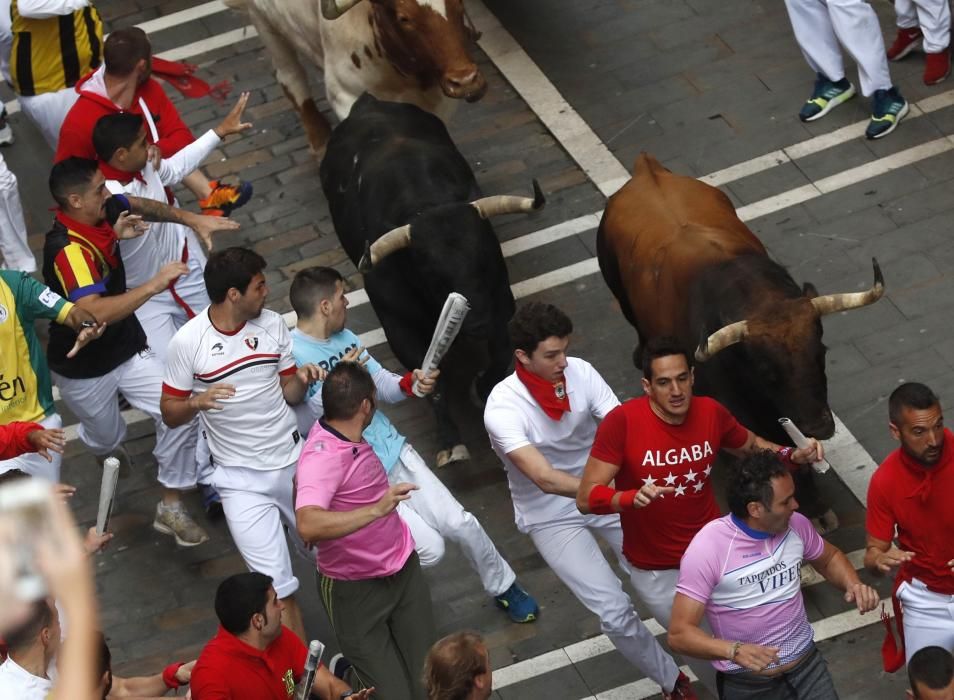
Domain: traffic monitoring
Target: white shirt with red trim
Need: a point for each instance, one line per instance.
(255, 428)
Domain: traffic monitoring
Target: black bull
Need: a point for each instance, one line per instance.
(407, 209)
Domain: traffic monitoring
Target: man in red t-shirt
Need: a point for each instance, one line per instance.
(254, 656)
(660, 449)
(124, 84)
(911, 491)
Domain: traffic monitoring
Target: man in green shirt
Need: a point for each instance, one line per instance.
(26, 393)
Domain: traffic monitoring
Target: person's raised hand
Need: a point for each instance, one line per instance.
(167, 274)
(209, 400)
(395, 494)
(129, 226)
(864, 597)
(756, 657)
(309, 373)
(154, 155)
(95, 542)
(815, 452)
(426, 382)
(46, 441)
(205, 226)
(354, 355)
(233, 124)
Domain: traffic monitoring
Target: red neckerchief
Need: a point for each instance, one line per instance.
(927, 475)
(180, 76)
(551, 396)
(101, 237)
(121, 176)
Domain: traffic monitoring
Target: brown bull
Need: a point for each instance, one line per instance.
(682, 264)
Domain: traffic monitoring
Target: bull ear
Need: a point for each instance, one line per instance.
(808, 290)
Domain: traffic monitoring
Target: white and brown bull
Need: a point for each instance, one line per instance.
(682, 264)
(415, 51)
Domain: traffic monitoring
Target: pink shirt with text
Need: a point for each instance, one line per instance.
(339, 475)
(750, 584)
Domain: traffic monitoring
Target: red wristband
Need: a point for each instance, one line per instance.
(627, 499)
(407, 383)
(600, 500)
(169, 675)
(785, 456)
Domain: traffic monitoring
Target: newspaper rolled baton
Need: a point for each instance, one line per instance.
(107, 492)
(798, 437)
(315, 650)
(448, 325)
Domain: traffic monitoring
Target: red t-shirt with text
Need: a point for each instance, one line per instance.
(918, 500)
(648, 450)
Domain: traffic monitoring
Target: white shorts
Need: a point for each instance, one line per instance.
(48, 111)
(928, 617)
(32, 463)
(259, 510)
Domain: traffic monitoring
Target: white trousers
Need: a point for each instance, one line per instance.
(433, 515)
(657, 589)
(928, 618)
(822, 27)
(32, 463)
(14, 248)
(932, 16)
(570, 548)
(94, 401)
(259, 511)
(48, 111)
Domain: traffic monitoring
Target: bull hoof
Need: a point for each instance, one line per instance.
(826, 523)
(458, 453)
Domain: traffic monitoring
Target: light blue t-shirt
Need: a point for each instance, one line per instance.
(381, 434)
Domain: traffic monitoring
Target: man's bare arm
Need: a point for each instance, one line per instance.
(204, 226)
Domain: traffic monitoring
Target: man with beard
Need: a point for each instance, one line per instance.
(911, 491)
(232, 366)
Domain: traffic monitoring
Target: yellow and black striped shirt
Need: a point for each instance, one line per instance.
(54, 53)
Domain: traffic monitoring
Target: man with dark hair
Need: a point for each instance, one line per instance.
(541, 421)
(82, 263)
(432, 513)
(660, 449)
(124, 83)
(910, 493)
(254, 656)
(232, 366)
(157, 685)
(458, 668)
(31, 648)
(741, 572)
(369, 575)
(931, 674)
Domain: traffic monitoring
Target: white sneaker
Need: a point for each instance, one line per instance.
(175, 520)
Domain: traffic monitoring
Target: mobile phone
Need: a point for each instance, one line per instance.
(25, 506)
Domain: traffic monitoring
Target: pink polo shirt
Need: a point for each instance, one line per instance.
(339, 475)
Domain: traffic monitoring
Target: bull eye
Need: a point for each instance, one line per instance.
(404, 20)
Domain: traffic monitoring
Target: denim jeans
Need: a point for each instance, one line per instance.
(809, 680)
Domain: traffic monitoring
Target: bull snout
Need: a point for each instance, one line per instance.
(822, 428)
(467, 84)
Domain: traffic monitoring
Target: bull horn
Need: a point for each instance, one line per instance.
(721, 339)
(393, 240)
(333, 9)
(507, 204)
(830, 303)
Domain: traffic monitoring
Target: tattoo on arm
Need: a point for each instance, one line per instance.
(154, 210)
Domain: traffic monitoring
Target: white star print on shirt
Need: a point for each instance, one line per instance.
(680, 490)
(698, 486)
(691, 476)
(670, 480)
(649, 481)
(708, 469)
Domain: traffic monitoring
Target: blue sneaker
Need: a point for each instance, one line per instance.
(519, 604)
(888, 111)
(825, 97)
(211, 501)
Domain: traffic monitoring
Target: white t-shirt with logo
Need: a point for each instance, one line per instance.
(514, 419)
(255, 428)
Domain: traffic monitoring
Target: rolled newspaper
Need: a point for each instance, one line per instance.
(798, 437)
(448, 325)
(107, 492)
(315, 650)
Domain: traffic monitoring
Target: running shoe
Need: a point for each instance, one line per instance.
(683, 689)
(520, 605)
(225, 198)
(905, 42)
(937, 66)
(889, 109)
(175, 520)
(825, 97)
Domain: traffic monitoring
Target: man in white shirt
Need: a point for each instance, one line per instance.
(542, 420)
(32, 648)
(232, 366)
